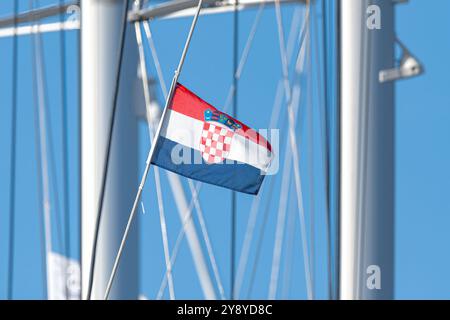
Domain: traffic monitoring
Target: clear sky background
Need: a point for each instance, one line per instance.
(422, 258)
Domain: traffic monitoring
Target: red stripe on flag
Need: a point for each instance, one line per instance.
(189, 104)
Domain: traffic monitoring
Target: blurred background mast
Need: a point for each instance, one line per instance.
(367, 157)
(101, 26)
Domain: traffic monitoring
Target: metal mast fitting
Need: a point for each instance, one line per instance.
(184, 8)
(409, 67)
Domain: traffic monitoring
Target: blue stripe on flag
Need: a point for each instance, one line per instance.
(238, 176)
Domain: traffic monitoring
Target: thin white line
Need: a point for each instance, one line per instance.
(154, 53)
(155, 169)
(293, 143)
(40, 28)
(207, 240)
(177, 245)
(244, 56)
(249, 233)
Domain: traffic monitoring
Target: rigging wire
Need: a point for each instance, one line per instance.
(311, 158)
(65, 142)
(79, 147)
(39, 180)
(282, 208)
(234, 114)
(155, 58)
(337, 60)
(260, 240)
(41, 157)
(254, 211)
(295, 155)
(178, 241)
(191, 184)
(280, 224)
(39, 94)
(156, 171)
(65, 145)
(192, 187)
(258, 251)
(273, 122)
(152, 150)
(12, 178)
(108, 149)
(207, 240)
(164, 234)
(325, 141)
(47, 122)
(244, 57)
(242, 63)
(290, 246)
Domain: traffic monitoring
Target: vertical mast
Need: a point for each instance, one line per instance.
(367, 152)
(101, 23)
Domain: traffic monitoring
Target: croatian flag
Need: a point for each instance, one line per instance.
(202, 143)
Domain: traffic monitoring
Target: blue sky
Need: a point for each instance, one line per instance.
(423, 178)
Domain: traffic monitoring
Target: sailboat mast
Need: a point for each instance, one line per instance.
(367, 156)
(100, 44)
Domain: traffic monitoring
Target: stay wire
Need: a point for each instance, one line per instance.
(41, 152)
(49, 136)
(65, 142)
(192, 187)
(152, 151)
(39, 185)
(151, 129)
(295, 155)
(65, 146)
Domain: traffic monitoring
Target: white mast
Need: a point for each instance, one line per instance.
(100, 33)
(367, 151)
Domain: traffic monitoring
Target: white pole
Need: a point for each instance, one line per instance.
(367, 152)
(101, 23)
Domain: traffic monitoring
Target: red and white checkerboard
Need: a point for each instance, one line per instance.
(215, 143)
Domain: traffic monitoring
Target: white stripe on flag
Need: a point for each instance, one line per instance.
(187, 131)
